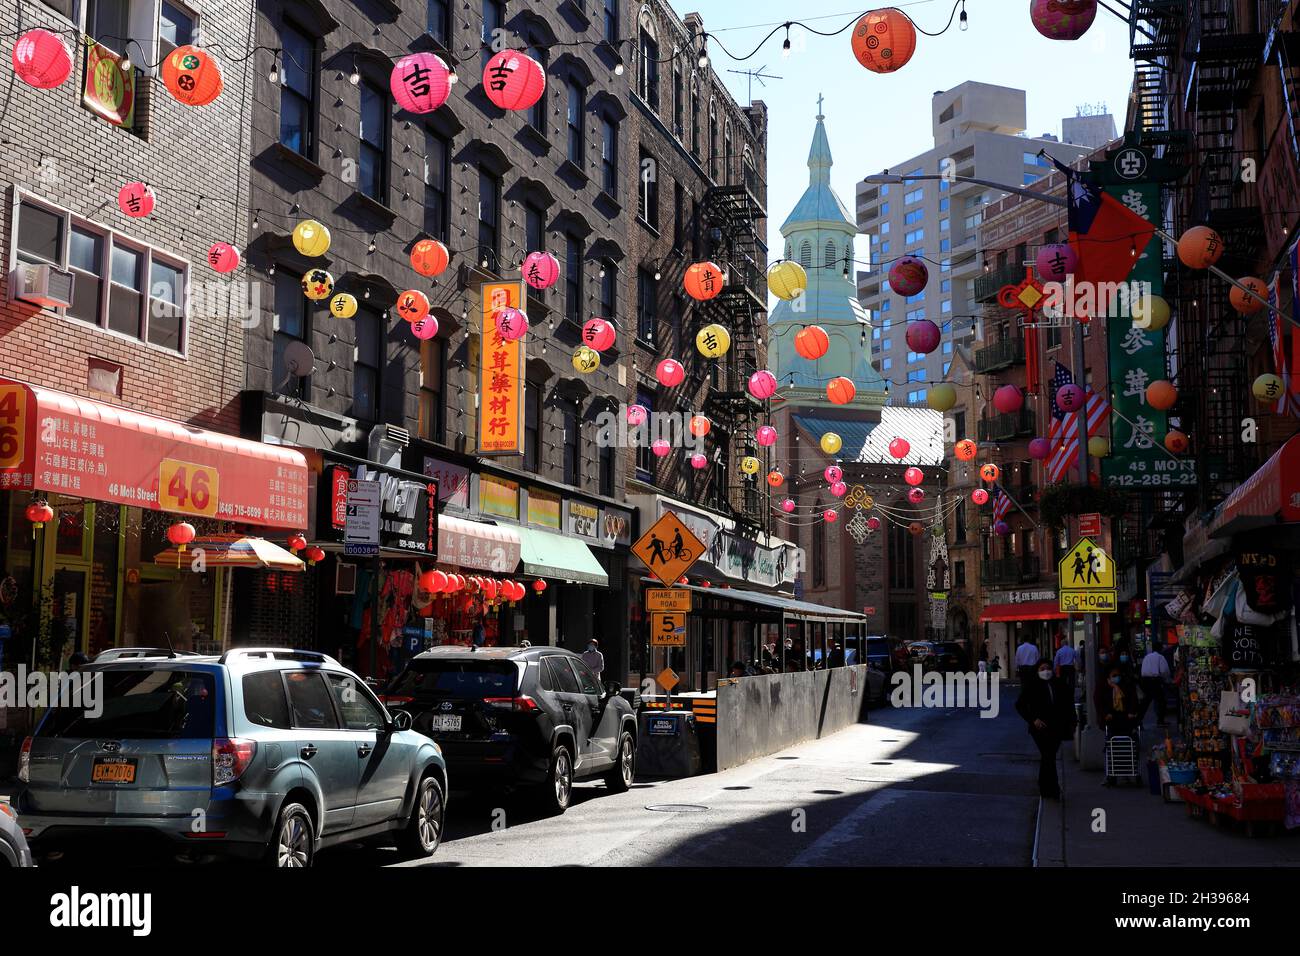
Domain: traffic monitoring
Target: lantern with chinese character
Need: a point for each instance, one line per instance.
(670, 373)
(830, 515)
(192, 76)
(908, 276)
(1055, 261)
(831, 443)
(775, 479)
(873, 524)
(941, 397)
(1246, 304)
(311, 238)
(296, 542)
(429, 257)
(314, 554)
(1268, 387)
(1070, 398)
(317, 284)
(38, 513)
(599, 334)
(1008, 399)
(135, 200)
(1161, 395)
(703, 281)
(1151, 313)
(425, 329)
(812, 342)
(412, 305)
(180, 534)
(762, 384)
(786, 279)
(223, 257)
(541, 270)
(586, 360)
(749, 465)
(699, 425)
(699, 460)
(900, 447)
(420, 82)
(513, 80)
(965, 450)
(41, 59)
(712, 341)
(914, 476)
(884, 40)
(765, 436)
(1002, 529)
(1177, 442)
(787, 505)
(511, 323)
(660, 447)
(1062, 19)
(1039, 449)
(637, 414)
(990, 472)
(915, 495)
(343, 306)
(1199, 247)
(979, 496)
(832, 474)
(839, 489)
(841, 390)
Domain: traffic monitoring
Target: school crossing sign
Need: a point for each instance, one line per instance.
(1086, 578)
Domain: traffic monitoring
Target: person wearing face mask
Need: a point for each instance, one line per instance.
(593, 658)
(1046, 706)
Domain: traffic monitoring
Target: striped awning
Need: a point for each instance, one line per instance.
(231, 551)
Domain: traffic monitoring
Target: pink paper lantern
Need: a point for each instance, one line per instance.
(908, 275)
(839, 489)
(1002, 528)
(1062, 21)
(513, 80)
(135, 200)
(1008, 399)
(541, 270)
(922, 336)
(599, 334)
(787, 505)
(425, 328)
(979, 496)
(1070, 398)
(699, 460)
(223, 257)
(916, 495)
(832, 474)
(1055, 261)
(766, 435)
(914, 476)
(660, 447)
(670, 373)
(899, 447)
(762, 384)
(830, 515)
(512, 324)
(1039, 449)
(637, 414)
(41, 59)
(420, 82)
(873, 524)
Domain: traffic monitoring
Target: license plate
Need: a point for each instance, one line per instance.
(113, 770)
(445, 722)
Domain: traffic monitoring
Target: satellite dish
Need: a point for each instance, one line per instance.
(299, 359)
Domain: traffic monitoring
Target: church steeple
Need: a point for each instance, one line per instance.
(819, 155)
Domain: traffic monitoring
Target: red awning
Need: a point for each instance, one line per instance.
(1270, 495)
(53, 441)
(1024, 611)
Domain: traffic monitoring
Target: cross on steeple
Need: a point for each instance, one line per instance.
(819, 107)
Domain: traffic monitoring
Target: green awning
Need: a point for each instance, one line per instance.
(555, 556)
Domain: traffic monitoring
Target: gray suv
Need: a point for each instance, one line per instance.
(261, 753)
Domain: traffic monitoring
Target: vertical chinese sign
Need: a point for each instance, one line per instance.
(501, 375)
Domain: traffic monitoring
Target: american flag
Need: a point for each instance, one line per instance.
(1289, 403)
(1064, 430)
(1001, 506)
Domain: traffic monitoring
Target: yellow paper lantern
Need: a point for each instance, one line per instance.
(586, 359)
(832, 443)
(343, 306)
(317, 284)
(1151, 312)
(1098, 447)
(1268, 387)
(942, 397)
(787, 279)
(311, 238)
(713, 341)
(749, 465)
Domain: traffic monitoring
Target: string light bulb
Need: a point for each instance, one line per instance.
(453, 77)
(963, 22)
(618, 68)
(703, 60)
(354, 77)
(785, 46)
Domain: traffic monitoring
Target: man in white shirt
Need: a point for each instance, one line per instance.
(1153, 677)
(593, 658)
(1027, 658)
(1065, 664)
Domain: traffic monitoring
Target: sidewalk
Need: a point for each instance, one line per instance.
(1140, 829)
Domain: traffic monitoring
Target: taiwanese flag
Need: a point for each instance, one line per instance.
(1103, 231)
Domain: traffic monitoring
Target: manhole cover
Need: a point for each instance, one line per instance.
(889, 740)
(787, 758)
(677, 808)
(737, 788)
(833, 793)
(882, 763)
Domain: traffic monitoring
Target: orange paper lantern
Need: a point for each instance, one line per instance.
(812, 342)
(1199, 247)
(192, 76)
(1243, 303)
(703, 281)
(990, 472)
(429, 257)
(884, 40)
(1177, 442)
(841, 390)
(1161, 395)
(966, 450)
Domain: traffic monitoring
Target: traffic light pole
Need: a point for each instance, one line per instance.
(1092, 740)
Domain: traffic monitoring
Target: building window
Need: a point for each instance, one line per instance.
(533, 396)
(695, 120)
(297, 89)
(577, 124)
(721, 470)
(609, 292)
(535, 239)
(573, 278)
(902, 558)
(915, 195)
(647, 204)
(679, 103)
(943, 204)
(494, 18)
(611, 21)
(291, 325)
(647, 80)
(645, 460)
(437, 174)
(819, 554)
(916, 375)
(608, 460)
(679, 217)
(916, 235)
(805, 254)
(367, 360)
(609, 156)
(175, 28)
(829, 260)
(572, 449)
(647, 297)
(713, 141)
(438, 21)
(538, 118)
(433, 373)
(959, 569)
(727, 161)
(913, 217)
(489, 218)
(373, 173)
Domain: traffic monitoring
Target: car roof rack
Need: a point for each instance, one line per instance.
(137, 653)
(279, 654)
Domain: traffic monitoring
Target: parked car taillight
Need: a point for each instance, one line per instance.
(230, 758)
(25, 761)
(521, 703)
(389, 699)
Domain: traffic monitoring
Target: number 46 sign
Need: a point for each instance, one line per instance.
(187, 488)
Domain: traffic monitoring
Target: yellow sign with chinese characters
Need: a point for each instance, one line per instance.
(501, 375)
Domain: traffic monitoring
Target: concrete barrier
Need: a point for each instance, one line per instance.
(758, 716)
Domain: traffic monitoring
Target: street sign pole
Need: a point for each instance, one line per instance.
(1091, 739)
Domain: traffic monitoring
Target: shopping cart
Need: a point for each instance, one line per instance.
(1122, 759)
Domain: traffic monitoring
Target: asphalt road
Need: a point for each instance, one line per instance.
(910, 787)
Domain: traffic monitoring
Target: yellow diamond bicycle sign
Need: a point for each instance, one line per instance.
(1086, 578)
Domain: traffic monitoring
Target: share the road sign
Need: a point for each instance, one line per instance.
(1086, 580)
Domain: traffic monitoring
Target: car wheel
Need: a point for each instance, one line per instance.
(423, 832)
(619, 779)
(294, 843)
(558, 789)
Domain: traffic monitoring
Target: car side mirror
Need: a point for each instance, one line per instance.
(613, 688)
(401, 720)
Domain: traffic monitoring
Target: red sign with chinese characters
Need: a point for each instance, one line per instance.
(501, 375)
(339, 496)
(53, 441)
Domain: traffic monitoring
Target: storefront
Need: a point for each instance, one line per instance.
(97, 575)
(1009, 617)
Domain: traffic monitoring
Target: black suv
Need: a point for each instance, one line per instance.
(519, 715)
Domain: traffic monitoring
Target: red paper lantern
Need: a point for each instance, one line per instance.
(539, 585)
(700, 425)
(315, 554)
(884, 40)
(670, 373)
(223, 257)
(41, 59)
(420, 82)
(296, 542)
(703, 281)
(775, 479)
(1008, 399)
(192, 76)
(841, 390)
(181, 534)
(900, 447)
(914, 476)
(429, 257)
(966, 450)
(598, 334)
(541, 270)
(916, 495)
(922, 336)
(830, 515)
(514, 80)
(812, 342)
(135, 200)
(916, 528)
(873, 524)
(979, 496)
(1177, 442)
(439, 580)
(908, 276)
(39, 512)
(990, 472)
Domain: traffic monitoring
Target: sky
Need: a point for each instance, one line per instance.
(875, 121)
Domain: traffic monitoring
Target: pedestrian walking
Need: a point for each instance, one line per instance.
(1117, 704)
(1065, 664)
(1046, 706)
(1154, 676)
(836, 655)
(593, 658)
(1027, 657)
(480, 632)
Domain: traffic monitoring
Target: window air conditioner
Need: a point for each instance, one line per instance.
(43, 285)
